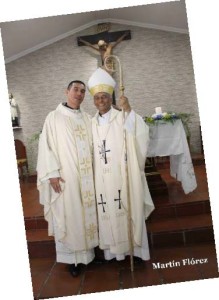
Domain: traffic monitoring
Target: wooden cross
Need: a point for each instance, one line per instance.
(104, 42)
(119, 199)
(111, 39)
(103, 151)
(101, 196)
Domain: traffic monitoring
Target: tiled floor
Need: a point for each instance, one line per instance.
(191, 261)
(178, 264)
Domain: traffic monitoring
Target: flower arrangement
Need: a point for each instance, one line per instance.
(162, 118)
(170, 117)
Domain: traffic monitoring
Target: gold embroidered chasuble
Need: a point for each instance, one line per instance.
(65, 146)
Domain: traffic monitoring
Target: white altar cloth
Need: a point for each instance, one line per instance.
(169, 139)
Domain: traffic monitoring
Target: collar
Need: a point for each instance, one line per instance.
(106, 115)
(111, 114)
(66, 105)
(69, 111)
(104, 119)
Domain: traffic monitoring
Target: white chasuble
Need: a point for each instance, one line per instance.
(65, 147)
(121, 218)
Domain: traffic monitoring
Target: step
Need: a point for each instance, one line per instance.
(157, 186)
(180, 231)
(39, 244)
(172, 231)
(165, 210)
(38, 222)
(162, 210)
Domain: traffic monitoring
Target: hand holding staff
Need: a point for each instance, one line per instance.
(124, 104)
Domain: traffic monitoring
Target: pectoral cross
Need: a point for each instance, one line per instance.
(103, 151)
(119, 199)
(101, 196)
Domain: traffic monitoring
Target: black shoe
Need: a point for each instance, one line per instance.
(98, 261)
(137, 259)
(74, 270)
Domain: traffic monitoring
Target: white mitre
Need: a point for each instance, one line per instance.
(101, 82)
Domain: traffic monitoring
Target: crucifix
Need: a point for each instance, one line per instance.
(103, 151)
(119, 199)
(104, 42)
(101, 196)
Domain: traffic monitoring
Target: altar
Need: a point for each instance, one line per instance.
(169, 139)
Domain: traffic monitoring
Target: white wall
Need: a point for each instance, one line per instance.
(157, 67)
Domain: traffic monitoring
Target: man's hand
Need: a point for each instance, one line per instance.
(55, 183)
(124, 104)
(116, 107)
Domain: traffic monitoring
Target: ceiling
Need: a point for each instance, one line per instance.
(25, 36)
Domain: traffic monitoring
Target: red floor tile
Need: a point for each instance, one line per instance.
(100, 281)
(141, 277)
(38, 265)
(38, 280)
(40, 269)
(170, 253)
(61, 284)
(180, 274)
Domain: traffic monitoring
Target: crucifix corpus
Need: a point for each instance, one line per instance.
(104, 42)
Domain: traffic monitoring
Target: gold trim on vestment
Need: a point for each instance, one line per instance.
(81, 136)
(88, 198)
(80, 132)
(91, 230)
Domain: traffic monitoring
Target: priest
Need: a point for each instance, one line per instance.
(120, 141)
(65, 180)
